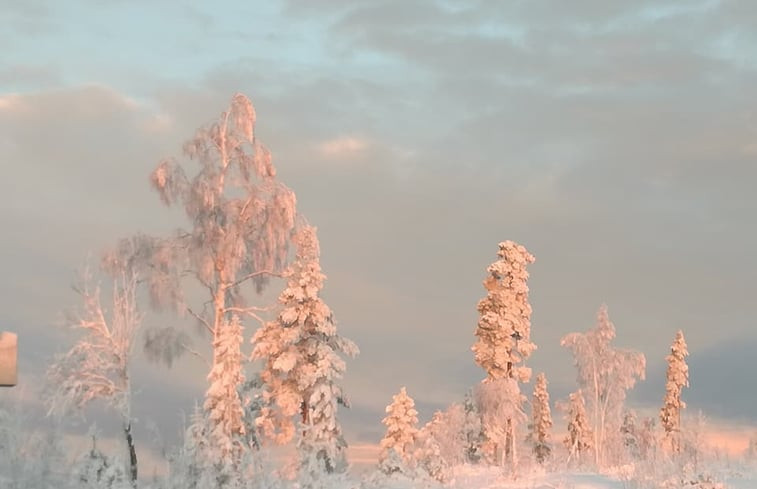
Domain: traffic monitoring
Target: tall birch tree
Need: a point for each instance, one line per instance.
(605, 373)
(240, 222)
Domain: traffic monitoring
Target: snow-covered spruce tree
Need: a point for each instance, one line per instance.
(428, 451)
(504, 334)
(222, 402)
(677, 379)
(631, 435)
(252, 392)
(580, 438)
(605, 374)
(302, 366)
(541, 420)
(191, 466)
(472, 430)
(240, 221)
(397, 446)
(95, 470)
(98, 366)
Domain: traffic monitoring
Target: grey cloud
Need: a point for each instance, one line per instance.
(619, 154)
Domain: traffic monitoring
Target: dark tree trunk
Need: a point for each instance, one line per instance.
(132, 455)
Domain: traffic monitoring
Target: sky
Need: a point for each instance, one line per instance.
(617, 141)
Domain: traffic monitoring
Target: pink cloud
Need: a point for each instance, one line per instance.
(342, 147)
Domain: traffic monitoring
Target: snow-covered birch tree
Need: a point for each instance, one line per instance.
(677, 379)
(605, 373)
(448, 429)
(240, 223)
(501, 400)
(98, 366)
(302, 364)
(580, 438)
(541, 420)
(504, 333)
(401, 423)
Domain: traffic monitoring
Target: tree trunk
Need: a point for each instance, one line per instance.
(132, 455)
(509, 439)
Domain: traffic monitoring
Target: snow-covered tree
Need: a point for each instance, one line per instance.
(95, 470)
(647, 438)
(504, 330)
(447, 429)
(472, 430)
(240, 223)
(401, 423)
(605, 373)
(251, 393)
(751, 450)
(499, 400)
(677, 379)
(302, 366)
(32, 453)
(196, 465)
(98, 367)
(693, 446)
(630, 434)
(428, 452)
(580, 438)
(222, 402)
(541, 420)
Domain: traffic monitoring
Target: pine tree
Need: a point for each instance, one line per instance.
(401, 423)
(605, 374)
(677, 379)
(301, 352)
(222, 402)
(504, 329)
(580, 437)
(541, 420)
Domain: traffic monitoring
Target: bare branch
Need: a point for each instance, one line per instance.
(194, 352)
(247, 311)
(202, 320)
(256, 274)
